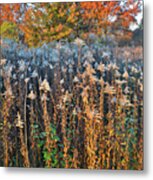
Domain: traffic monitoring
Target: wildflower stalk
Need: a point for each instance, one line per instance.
(23, 147)
(24, 150)
(5, 113)
(66, 143)
(33, 143)
(48, 144)
(5, 133)
(25, 116)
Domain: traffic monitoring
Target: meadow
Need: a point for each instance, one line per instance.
(71, 85)
(71, 105)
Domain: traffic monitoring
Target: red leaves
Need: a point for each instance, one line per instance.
(66, 17)
(10, 12)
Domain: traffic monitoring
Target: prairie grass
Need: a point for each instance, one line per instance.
(83, 108)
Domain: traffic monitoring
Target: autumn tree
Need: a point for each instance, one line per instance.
(46, 22)
(111, 17)
(96, 15)
(12, 16)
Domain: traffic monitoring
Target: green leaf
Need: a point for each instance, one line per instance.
(35, 126)
(53, 130)
(36, 136)
(56, 138)
(61, 154)
(47, 156)
(43, 134)
(41, 143)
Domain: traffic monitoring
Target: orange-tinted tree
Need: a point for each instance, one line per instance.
(47, 22)
(109, 17)
(12, 16)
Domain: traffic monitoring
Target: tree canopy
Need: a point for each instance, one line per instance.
(46, 22)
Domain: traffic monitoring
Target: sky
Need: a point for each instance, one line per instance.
(138, 18)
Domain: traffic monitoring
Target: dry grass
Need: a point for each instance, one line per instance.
(83, 114)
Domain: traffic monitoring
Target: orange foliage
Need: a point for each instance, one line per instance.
(58, 20)
(10, 12)
(97, 14)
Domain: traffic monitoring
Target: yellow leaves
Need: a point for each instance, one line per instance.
(71, 18)
(124, 163)
(59, 28)
(111, 132)
(63, 33)
(62, 13)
